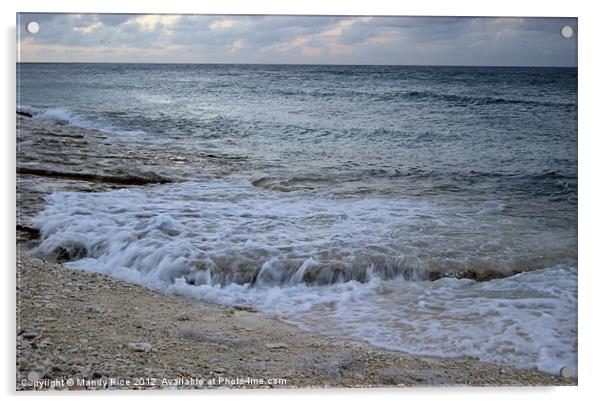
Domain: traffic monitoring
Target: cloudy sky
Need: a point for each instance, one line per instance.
(297, 39)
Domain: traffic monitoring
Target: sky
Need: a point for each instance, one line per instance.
(134, 38)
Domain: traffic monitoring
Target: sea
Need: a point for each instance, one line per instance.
(431, 210)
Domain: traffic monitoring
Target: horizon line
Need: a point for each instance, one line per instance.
(297, 64)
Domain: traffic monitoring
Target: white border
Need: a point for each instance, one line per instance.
(552, 8)
(590, 225)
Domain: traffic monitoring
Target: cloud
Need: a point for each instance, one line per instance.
(236, 46)
(222, 24)
(113, 20)
(297, 39)
(150, 22)
(327, 38)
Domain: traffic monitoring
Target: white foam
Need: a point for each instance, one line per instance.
(204, 239)
(527, 320)
(59, 115)
(84, 121)
(231, 230)
(234, 230)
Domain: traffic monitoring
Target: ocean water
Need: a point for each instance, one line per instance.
(427, 209)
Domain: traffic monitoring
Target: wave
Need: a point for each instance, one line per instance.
(329, 265)
(81, 120)
(464, 100)
(228, 231)
(413, 96)
(553, 184)
(229, 234)
(527, 320)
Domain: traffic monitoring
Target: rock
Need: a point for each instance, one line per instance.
(23, 364)
(276, 345)
(183, 316)
(33, 376)
(29, 334)
(140, 346)
(244, 308)
(95, 310)
(24, 113)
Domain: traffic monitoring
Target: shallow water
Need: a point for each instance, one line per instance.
(361, 186)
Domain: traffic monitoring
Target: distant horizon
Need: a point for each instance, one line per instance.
(297, 40)
(295, 64)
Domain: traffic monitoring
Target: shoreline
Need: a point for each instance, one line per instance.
(85, 326)
(82, 326)
(58, 156)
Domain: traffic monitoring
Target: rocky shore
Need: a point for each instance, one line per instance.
(79, 330)
(55, 156)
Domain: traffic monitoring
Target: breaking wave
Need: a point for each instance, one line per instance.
(323, 264)
(81, 120)
(228, 231)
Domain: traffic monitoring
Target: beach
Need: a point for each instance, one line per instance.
(97, 332)
(103, 334)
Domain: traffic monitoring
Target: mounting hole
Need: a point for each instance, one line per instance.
(566, 31)
(566, 372)
(32, 27)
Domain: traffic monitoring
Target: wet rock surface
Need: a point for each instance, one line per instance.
(54, 157)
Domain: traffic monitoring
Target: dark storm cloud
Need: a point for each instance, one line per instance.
(298, 39)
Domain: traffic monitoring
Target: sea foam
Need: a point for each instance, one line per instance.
(527, 320)
(81, 120)
(344, 267)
